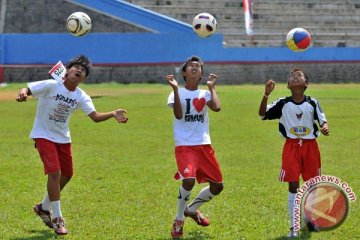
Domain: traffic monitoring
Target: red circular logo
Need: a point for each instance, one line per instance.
(325, 206)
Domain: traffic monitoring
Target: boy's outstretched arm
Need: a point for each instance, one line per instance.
(269, 87)
(118, 114)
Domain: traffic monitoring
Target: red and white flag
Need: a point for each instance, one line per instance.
(247, 4)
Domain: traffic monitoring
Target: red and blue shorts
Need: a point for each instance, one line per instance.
(300, 157)
(197, 162)
(55, 156)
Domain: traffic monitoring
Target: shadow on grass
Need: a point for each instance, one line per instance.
(303, 235)
(197, 235)
(97, 96)
(192, 235)
(41, 235)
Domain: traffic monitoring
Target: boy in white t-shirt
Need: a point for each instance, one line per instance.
(195, 157)
(57, 101)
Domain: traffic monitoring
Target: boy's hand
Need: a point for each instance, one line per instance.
(120, 115)
(172, 82)
(325, 129)
(22, 95)
(269, 87)
(212, 80)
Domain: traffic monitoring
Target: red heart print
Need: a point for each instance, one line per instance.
(199, 103)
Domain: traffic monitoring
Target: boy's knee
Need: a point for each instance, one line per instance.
(217, 188)
(54, 176)
(188, 184)
(293, 187)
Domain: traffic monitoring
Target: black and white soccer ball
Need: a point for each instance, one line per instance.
(78, 24)
(204, 24)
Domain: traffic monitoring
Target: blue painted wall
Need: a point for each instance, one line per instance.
(150, 48)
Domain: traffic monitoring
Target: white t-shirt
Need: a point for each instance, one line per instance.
(56, 103)
(193, 128)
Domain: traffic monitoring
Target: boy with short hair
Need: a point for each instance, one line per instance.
(194, 154)
(297, 115)
(57, 101)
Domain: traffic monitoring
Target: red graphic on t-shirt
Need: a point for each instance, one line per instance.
(199, 103)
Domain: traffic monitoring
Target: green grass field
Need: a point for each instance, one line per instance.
(123, 186)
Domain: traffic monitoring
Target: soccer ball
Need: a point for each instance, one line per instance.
(298, 39)
(204, 24)
(78, 24)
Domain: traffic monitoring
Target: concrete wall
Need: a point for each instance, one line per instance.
(49, 16)
(332, 23)
(228, 74)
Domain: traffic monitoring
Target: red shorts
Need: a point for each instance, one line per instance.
(55, 156)
(300, 157)
(197, 162)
